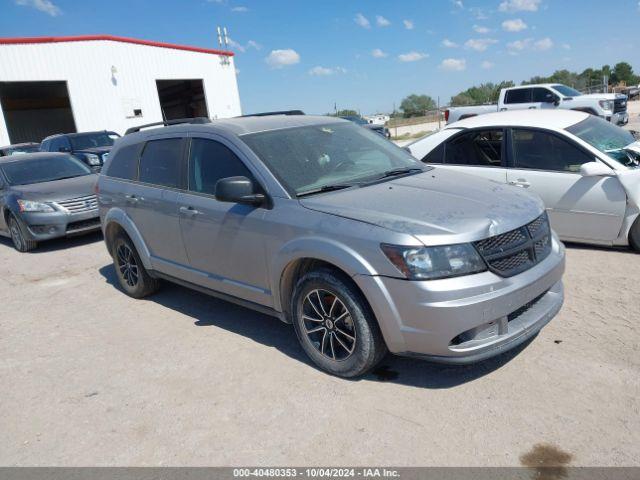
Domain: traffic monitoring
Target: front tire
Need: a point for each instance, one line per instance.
(133, 278)
(20, 240)
(335, 325)
(634, 235)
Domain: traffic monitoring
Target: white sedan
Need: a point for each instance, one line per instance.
(586, 170)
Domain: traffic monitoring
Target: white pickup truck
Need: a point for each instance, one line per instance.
(610, 106)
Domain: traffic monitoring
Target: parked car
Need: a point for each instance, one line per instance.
(374, 127)
(586, 170)
(632, 92)
(328, 226)
(18, 148)
(92, 148)
(45, 196)
(610, 106)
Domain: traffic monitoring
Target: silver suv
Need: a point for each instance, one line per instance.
(330, 227)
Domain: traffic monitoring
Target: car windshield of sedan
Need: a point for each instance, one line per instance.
(607, 138)
(39, 170)
(321, 157)
(23, 149)
(93, 140)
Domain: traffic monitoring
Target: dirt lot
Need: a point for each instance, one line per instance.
(92, 377)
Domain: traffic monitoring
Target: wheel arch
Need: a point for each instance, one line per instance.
(117, 221)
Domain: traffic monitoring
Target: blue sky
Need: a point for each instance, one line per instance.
(362, 54)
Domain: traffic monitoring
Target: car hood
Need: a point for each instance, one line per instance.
(601, 96)
(58, 190)
(438, 206)
(96, 150)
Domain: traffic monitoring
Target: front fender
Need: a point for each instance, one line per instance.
(120, 217)
(327, 250)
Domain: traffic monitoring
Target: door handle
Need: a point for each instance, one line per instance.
(520, 183)
(532, 108)
(189, 211)
(133, 198)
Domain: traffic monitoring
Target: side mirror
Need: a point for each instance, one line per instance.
(64, 149)
(595, 169)
(238, 190)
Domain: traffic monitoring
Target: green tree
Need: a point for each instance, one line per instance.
(623, 72)
(484, 93)
(417, 105)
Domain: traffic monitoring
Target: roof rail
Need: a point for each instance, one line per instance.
(177, 121)
(268, 114)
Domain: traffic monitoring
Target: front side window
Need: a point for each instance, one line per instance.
(306, 159)
(607, 138)
(43, 169)
(160, 162)
(519, 95)
(209, 161)
(478, 148)
(539, 150)
(542, 95)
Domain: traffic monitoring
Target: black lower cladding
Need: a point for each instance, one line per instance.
(83, 225)
(513, 252)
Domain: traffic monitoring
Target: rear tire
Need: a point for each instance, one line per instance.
(133, 278)
(335, 324)
(634, 235)
(20, 240)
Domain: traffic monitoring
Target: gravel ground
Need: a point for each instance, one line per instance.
(92, 377)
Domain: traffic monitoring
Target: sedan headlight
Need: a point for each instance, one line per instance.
(430, 263)
(31, 206)
(92, 159)
(606, 104)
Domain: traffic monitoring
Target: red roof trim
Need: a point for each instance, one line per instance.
(113, 38)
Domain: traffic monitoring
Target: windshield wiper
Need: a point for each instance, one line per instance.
(400, 171)
(325, 188)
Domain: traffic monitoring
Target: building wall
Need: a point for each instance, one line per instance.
(101, 100)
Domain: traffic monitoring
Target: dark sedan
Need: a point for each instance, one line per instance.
(18, 148)
(45, 196)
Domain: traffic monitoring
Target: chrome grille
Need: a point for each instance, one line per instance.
(518, 250)
(80, 204)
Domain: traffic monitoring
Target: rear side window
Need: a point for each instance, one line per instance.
(209, 161)
(160, 162)
(479, 148)
(436, 155)
(519, 95)
(124, 164)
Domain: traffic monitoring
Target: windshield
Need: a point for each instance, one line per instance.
(607, 138)
(39, 170)
(566, 91)
(93, 140)
(306, 159)
(23, 149)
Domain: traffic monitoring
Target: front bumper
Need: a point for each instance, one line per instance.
(621, 118)
(466, 319)
(45, 226)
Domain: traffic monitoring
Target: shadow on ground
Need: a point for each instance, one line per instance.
(599, 248)
(269, 331)
(56, 244)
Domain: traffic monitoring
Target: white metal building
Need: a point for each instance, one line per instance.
(74, 84)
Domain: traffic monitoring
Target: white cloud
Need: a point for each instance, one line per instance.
(240, 9)
(46, 6)
(412, 56)
(381, 21)
(479, 44)
(362, 21)
(377, 53)
(458, 3)
(282, 58)
(479, 13)
(480, 29)
(566, 46)
(454, 64)
(408, 24)
(544, 44)
(518, 45)
(519, 6)
(449, 44)
(326, 71)
(243, 48)
(515, 25)
(487, 65)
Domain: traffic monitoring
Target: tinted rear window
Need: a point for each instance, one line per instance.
(520, 95)
(160, 162)
(124, 163)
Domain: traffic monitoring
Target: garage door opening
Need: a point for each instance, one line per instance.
(34, 110)
(182, 99)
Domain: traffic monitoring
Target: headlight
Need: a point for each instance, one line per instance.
(30, 206)
(430, 263)
(92, 159)
(606, 104)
